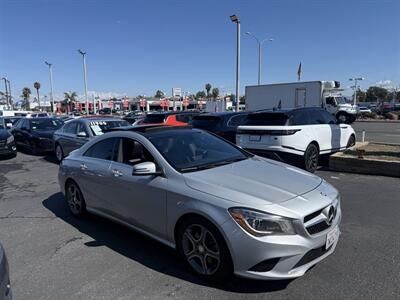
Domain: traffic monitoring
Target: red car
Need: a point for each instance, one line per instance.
(173, 118)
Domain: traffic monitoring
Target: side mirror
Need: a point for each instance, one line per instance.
(8, 125)
(82, 134)
(146, 168)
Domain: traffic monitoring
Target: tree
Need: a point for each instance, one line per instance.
(200, 95)
(26, 93)
(208, 89)
(159, 94)
(375, 93)
(361, 95)
(36, 85)
(68, 99)
(215, 93)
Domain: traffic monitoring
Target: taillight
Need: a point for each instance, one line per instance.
(269, 132)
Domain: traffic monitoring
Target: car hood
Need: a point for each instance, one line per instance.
(4, 134)
(253, 181)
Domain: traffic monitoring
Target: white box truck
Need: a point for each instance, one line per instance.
(325, 94)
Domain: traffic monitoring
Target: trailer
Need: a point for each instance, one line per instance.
(325, 94)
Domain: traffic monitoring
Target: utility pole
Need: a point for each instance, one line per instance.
(85, 80)
(355, 79)
(51, 85)
(236, 20)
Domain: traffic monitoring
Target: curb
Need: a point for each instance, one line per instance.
(337, 162)
(376, 121)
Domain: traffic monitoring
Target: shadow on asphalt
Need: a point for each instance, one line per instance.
(147, 251)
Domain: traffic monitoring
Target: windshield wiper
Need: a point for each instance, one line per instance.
(212, 165)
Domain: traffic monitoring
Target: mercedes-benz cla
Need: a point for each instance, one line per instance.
(224, 209)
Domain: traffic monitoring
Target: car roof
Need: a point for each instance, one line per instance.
(94, 119)
(169, 113)
(224, 113)
(145, 129)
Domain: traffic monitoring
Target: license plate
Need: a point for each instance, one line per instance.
(254, 138)
(332, 237)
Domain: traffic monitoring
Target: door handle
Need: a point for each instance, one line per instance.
(83, 167)
(117, 173)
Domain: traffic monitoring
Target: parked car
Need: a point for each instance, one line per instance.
(221, 207)
(77, 132)
(5, 285)
(134, 116)
(107, 111)
(36, 134)
(363, 109)
(223, 124)
(173, 118)
(303, 133)
(7, 143)
(40, 115)
(9, 121)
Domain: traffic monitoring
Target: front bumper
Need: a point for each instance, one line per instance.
(8, 149)
(283, 257)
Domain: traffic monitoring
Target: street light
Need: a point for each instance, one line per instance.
(260, 43)
(51, 85)
(84, 79)
(235, 19)
(6, 89)
(355, 79)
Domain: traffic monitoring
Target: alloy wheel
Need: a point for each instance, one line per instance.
(59, 153)
(74, 199)
(201, 250)
(312, 158)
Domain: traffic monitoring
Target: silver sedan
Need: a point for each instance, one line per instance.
(224, 209)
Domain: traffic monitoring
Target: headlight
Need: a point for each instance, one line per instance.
(10, 139)
(260, 224)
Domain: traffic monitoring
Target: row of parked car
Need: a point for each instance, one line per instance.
(200, 188)
(298, 136)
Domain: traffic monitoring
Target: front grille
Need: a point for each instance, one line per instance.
(316, 228)
(312, 216)
(2, 143)
(311, 255)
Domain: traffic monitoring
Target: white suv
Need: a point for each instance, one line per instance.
(305, 133)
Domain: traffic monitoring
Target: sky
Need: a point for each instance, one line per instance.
(136, 47)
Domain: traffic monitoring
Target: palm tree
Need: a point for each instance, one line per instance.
(36, 85)
(26, 93)
(208, 89)
(215, 93)
(159, 94)
(68, 99)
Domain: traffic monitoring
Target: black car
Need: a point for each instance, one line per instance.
(134, 116)
(36, 134)
(5, 286)
(77, 132)
(7, 143)
(223, 124)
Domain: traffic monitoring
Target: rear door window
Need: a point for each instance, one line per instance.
(154, 118)
(267, 119)
(105, 149)
(205, 122)
(70, 128)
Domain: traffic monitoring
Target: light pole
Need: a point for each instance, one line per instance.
(9, 95)
(260, 43)
(51, 85)
(236, 20)
(6, 90)
(84, 79)
(355, 79)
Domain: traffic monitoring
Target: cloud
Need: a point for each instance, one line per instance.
(387, 84)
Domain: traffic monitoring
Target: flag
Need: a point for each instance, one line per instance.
(299, 72)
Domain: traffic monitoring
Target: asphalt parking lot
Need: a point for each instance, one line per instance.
(52, 255)
(383, 132)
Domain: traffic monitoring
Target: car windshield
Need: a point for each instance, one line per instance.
(154, 118)
(98, 127)
(340, 100)
(45, 124)
(189, 150)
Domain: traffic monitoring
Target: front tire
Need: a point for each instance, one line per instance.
(342, 117)
(351, 142)
(204, 250)
(59, 153)
(311, 156)
(75, 200)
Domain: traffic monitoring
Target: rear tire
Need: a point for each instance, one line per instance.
(351, 142)
(204, 250)
(75, 200)
(311, 156)
(33, 147)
